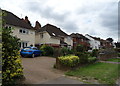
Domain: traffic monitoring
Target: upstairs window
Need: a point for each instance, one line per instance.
(23, 31)
(41, 35)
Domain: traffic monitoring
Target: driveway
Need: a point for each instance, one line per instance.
(39, 70)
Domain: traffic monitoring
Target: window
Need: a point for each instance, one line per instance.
(23, 31)
(41, 35)
(20, 31)
(53, 34)
(23, 44)
(26, 44)
(6, 27)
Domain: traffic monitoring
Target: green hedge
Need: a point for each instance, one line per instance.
(69, 61)
(85, 57)
(47, 50)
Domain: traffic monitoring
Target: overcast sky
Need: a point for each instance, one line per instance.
(94, 17)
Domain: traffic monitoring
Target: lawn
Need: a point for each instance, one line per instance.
(114, 60)
(105, 73)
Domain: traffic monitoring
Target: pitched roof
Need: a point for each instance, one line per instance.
(96, 38)
(11, 19)
(99, 39)
(53, 30)
(78, 36)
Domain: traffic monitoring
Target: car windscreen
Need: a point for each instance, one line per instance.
(27, 48)
(34, 48)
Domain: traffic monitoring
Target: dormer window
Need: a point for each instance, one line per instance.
(53, 34)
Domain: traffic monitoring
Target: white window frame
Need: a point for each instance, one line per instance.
(41, 35)
(23, 44)
(23, 31)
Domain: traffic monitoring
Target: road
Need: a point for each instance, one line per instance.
(39, 70)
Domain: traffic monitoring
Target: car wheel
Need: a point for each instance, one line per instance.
(33, 55)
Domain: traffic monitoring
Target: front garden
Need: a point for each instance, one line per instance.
(104, 73)
(85, 65)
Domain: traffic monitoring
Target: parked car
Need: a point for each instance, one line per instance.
(30, 51)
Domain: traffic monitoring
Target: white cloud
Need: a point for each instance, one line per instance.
(83, 16)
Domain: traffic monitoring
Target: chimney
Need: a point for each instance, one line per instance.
(27, 20)
(37, 25)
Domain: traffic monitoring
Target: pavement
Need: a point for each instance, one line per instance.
(110, 62)
(63, 80)
(39, 70)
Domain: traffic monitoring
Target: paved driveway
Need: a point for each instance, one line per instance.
(40, 70)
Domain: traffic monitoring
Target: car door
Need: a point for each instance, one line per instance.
(36, 51)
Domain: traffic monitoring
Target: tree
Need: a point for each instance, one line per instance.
(80, 48)
(110, 39)
(11, 62)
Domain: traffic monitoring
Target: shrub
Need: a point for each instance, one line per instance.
(11, 61)
(94, 53)
(47, 50)
(69, 61)
(64, 51)
(92, 59)
(57, 52)
(83, 57)
(71, 51)
(118, 54)
(80, 48)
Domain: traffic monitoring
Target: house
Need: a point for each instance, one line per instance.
(52, 36)
(106, 44)
(80, 39)
(22, 28)
(94, 42)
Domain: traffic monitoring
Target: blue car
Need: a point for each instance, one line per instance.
(30, 52)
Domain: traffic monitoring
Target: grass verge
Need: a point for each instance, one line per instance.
(114, 60)
(105, 73)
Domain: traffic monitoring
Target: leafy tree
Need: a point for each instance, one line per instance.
(11, 61)
(110, 39)
(80, 48)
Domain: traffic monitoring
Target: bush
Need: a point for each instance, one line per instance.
(47, 50)
(92, 59)
(11, 61)
(57, 52)
(94, 53)
(80, 48)
(64, 51)
(118, 54)
(83, 57)
(69, 61)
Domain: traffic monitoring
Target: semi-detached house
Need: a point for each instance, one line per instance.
(22, 28)
(48, 34)
(52, 36)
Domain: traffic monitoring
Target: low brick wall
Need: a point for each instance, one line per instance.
(107, 54)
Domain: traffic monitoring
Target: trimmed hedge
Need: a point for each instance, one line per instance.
(69, 61)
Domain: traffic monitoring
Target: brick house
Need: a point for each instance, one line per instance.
(80, 39)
